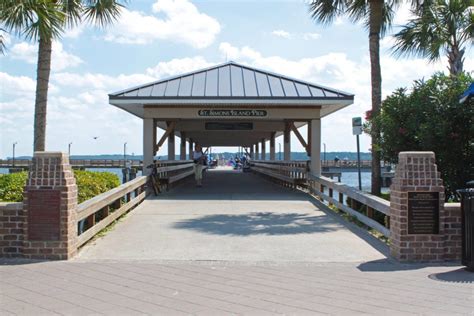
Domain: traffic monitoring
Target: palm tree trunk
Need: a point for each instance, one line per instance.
(375, 25)
(455, 60)
(42, 81)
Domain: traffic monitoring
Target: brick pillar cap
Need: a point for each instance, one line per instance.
(55, 154)
(416, 154)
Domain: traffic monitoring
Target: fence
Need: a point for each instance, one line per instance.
(97, 213)
(287, 173)
(364, 206)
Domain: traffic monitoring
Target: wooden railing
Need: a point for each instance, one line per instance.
(171, 171)
(288, 173)
(97, 213)
(362, 205)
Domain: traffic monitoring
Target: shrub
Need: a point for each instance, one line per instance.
(89, 184)
(11, 186)
(429, 117)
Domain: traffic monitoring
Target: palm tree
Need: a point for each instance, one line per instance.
(377, 16)
(45, 21)
(438, 27)
(2, 41)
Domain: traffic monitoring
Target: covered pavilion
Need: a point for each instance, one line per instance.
(231, 105)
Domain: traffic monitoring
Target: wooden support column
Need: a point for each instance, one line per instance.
(251, 152)
(264, 150)
(257, 155)
(316, 147)
(287, 142)
(182, 148)
(190, 149)
(171, 146)
(272, 146)
(148, 144)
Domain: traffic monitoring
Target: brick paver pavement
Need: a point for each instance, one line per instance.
(243, 247)
(224, 288)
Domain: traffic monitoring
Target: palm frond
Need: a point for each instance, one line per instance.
(325, 11)
(102, 12)
(73, 10)
(32, 18)
(439, 26)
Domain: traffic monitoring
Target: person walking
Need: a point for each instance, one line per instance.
(199, 160)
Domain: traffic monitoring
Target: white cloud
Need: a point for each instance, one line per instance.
(311, 36)
(402, 15)
(181, 22)
(16, 85)
(281, 33)
(288, 35)
(75, 31)
(100, 81)
(6, 37)
(177, 66)
(60, 59)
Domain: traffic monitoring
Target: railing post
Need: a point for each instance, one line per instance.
(370, 212)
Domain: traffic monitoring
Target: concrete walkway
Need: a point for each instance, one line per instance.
(234, 217)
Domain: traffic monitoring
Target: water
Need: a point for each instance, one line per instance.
(352, 179)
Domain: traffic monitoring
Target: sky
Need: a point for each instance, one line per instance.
(155, 39)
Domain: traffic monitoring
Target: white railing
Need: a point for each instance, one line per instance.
(326, 189)
(287, 173)
(97, 213)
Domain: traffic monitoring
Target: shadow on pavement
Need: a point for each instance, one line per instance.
(260, 223)
(20, 261)
(455, 276)
(390, 264)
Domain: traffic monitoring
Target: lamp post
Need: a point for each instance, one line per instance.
(69, 149)
(124, 154)
(13, 162)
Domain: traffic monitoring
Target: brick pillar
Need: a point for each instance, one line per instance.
(417, 232)
(50, 202)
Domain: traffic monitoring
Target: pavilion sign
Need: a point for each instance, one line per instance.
(232, 113)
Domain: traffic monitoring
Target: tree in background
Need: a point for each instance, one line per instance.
(45, 21)
(430, 118)
(377, 16)
(439, 27)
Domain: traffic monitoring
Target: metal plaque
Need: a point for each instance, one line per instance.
(233, 113)
(44, 214)
(222, 126)
(423, 212)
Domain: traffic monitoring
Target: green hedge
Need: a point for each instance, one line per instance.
(89, 184)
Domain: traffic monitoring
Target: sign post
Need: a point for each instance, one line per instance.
(357, 130)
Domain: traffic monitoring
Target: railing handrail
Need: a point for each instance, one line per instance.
(175, 167)
(280, 167)
(173, 162)
(282, 162)
(100, 201)
(373, 201)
